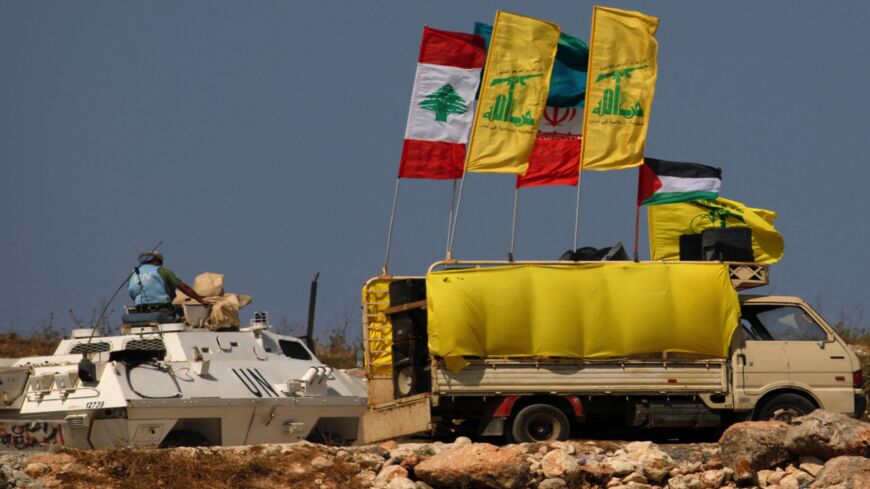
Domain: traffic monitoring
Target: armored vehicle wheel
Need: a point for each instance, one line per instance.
(184, 438)
(540, 422)
(784, 407)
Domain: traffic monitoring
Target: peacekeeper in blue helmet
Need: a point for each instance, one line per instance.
(152, 286)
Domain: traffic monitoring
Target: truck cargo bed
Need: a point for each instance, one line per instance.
(528, 376)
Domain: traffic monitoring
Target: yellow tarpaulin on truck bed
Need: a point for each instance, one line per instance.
(611, 309)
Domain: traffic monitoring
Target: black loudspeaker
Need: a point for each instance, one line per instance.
(407, 290)
(690, 247)
(727, 244)
(409, 324)
(411, 370)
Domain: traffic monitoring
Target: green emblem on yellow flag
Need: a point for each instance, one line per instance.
(502, 109)
(670, 221)
(513, 94)
(612, 99)
(619, 89)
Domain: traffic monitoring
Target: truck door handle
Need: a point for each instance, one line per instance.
(742, 358)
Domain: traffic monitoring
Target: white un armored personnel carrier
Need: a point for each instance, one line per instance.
(172, 385)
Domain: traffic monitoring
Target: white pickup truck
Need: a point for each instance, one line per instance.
(784, 360)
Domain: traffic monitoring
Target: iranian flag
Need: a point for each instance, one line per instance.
(555, 158)
(442, 104)
(667, 182)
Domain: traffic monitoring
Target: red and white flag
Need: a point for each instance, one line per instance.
(442, 104)
(555, 158)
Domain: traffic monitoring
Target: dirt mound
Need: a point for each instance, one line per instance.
(276, 466)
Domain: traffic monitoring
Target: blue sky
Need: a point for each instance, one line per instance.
(261, 140)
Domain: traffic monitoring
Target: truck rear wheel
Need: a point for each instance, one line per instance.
(785, 407)
(540, 422)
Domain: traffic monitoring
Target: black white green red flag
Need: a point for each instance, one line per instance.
(668, 182)
(442, 104)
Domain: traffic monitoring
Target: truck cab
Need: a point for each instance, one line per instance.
(787, 361)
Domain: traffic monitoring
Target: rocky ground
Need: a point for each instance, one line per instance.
(821, 450)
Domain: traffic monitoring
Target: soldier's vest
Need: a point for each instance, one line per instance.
(147, 286)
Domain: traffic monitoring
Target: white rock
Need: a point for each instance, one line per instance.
(622, 466)
(775, 476)
(365, 478)
(552, 484)
(637, 485)
(811, 465)
(789, 482)
(368, 460)
(462, 440)
(558, 464)
(321, 462)
(389, 473)
(712, 478)
(401, 483)
(36, 469)
(763, 476)
(634, 477)
(563, 446)
(688, 481)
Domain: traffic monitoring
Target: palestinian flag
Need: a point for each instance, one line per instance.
(442, 104)
(667, 182)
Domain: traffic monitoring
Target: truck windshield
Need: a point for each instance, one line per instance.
(782, 323)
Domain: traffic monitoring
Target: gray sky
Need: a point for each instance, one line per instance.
(261, 140)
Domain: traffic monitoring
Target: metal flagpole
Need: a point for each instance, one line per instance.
(456, 215)
(450, 217)
(390, 229)
(636, 228)
(514, 225)
(637, 211)
(577, 209)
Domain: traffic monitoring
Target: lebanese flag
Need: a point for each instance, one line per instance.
(442, 104)
(668, 182)
(555, 158)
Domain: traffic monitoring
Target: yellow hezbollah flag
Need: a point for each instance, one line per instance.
(667, 222)
(589, 310)
(619, 88)
(513, 94)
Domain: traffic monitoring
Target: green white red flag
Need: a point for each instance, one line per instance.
(442, 104)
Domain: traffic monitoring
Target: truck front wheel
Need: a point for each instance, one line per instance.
(540, 422)
(785, 407)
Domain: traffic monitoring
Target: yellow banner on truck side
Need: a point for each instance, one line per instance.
(619, 88)
(667, 222)
(607, 309)
(513, 94)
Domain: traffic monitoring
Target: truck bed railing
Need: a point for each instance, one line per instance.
(744, 275)
(581, 376)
